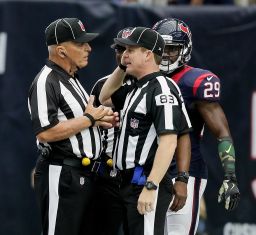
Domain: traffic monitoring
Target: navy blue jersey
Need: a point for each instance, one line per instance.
(196, 85)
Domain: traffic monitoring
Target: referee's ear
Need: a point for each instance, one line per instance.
(61, 51)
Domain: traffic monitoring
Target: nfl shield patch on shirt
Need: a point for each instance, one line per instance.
(134, 123)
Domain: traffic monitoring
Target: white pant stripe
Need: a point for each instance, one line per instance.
(149, 219)
(54, 176)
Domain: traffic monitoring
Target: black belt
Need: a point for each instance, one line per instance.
(129, 176)
(57, 158)
(75, 162)
(125, 175)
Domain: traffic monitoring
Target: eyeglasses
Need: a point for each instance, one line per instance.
(119, 49)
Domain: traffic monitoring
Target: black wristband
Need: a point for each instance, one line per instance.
(182, 176)
(123, 67)
(91, 118)
(181, 179)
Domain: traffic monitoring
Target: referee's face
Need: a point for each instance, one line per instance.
(77, 54)
(134, 58)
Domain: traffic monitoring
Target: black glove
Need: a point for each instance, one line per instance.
(229, 193)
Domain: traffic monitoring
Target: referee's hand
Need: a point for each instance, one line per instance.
(109, 121)
(146, 201)
(103, 116)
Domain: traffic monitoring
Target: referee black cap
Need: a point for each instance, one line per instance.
(121, 34)
(143, 37)
(67, 29)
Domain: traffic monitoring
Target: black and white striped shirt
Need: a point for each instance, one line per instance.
(154, 107)
(55, 96)
(109, 136)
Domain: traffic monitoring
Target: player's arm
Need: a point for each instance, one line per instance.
(216, 121)
(214, 118)
(183, 155)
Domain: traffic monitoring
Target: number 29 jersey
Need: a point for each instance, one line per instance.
(196, 85)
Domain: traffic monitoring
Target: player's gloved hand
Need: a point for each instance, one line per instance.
(229, 193)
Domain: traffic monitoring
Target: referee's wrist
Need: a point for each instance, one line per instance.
(123, 67)
(91, 118)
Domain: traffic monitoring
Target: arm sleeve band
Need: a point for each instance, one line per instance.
(227, 155)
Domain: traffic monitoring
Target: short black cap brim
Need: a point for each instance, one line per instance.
(116, 44)
(86, 37)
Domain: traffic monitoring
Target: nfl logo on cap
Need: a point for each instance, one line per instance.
(81, 25)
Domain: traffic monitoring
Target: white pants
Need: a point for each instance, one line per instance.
(185, 221)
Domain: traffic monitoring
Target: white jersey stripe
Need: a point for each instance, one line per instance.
(120, 147)
(148, 142)
(71, 101)
(42, 98)
(73, 139)
(87, 146)
(124, 122)
(132, 144)
(167, 107)
(83, 90)
(141, 108)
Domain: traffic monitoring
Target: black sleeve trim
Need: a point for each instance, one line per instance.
(39, 130)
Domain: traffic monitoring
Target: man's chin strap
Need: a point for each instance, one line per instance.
(167, 66)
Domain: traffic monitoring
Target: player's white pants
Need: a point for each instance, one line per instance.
(185, 221)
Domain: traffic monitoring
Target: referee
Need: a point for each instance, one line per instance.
(107, 188)
(65, 124)
(152, 116)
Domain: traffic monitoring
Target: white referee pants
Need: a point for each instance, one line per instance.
(185, 221)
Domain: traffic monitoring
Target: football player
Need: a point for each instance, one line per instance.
(201, 92)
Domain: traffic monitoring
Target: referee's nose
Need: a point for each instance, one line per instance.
(87, 47)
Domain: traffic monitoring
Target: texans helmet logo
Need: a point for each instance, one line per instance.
(184, 29)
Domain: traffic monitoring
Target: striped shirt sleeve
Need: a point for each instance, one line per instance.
(166, 109)
(43, 103)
